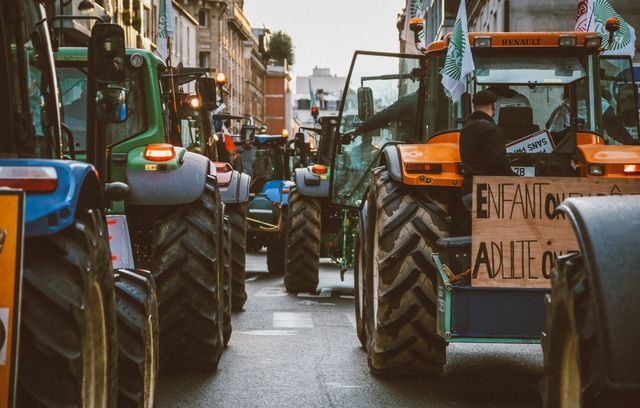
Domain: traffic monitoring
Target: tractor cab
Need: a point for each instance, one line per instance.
(383, 95)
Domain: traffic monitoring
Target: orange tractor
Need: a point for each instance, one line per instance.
(427, 272)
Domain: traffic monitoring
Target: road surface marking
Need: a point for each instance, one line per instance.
(324, 293)
(266, 292)
(270, 332)
(292, 320)
(338, 385)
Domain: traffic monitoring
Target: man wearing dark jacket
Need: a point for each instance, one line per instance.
(482, 147)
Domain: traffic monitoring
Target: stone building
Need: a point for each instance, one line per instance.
(225, 44)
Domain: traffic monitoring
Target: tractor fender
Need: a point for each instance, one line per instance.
(391, 159)
(182, 185)
(277, 191)
(51, 212)
(310, 184)
(237, 190)
(607, 232)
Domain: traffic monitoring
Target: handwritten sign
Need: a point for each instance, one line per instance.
(538, 142)
(517, 233)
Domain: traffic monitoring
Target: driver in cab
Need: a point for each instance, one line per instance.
(482, 146)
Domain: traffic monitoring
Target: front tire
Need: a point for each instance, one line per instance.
(138, 338)
(68, 344)
(401, 299)
(189, 277)
(574, 357)
(302, 244)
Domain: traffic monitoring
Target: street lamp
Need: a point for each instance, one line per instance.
(221, 80)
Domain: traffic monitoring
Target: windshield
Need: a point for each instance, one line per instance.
(541, 95)
(192, 133)
(262, 163)
(73, 90)
(380, 106)
(619, 100)
(28, 86)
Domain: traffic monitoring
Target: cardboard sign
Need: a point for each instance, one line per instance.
(517, 234)
(538, 142)
(11, 227)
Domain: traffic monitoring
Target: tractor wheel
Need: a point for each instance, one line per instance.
(302, 244)
(189, 276)
(358, 289)
(238, 217)
(68, 343)
(401, 280)
(275, 256)
(573, 354)
(138, 339)
(226, 262)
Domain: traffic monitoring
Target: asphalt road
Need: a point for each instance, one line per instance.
(302, 351)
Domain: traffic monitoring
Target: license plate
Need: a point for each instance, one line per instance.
(524, 171)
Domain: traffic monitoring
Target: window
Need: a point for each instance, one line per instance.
(204, 59)
(203, 18)
(148, 23)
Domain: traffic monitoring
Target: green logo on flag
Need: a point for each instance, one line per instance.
(602, 10)
(457, 43)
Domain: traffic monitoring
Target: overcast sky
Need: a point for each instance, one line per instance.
(325, 33)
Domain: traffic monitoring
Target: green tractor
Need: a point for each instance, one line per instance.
(315, 228)
(171, 205)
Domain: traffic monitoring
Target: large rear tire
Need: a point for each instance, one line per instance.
(401, 294)
(68, 344)
(187, 266)
(138, 338)
(574, 356)
(238, 218)
(302, 244)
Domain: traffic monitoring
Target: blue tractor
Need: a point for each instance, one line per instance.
(67, 345)
(266, 159)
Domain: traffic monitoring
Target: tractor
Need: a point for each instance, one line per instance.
(315, 228)
(171, 209)
(67, 303)
(422, 281)
(266, 159)
(196, 114)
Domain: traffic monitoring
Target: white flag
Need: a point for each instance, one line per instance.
(166, 27)
(592, 15)
(459, 62)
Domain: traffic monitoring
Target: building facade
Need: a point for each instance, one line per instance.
(324, 88)
(278, 99)
(224, 43)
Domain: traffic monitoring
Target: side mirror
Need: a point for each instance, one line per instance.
(247, 135)
(206, 90)
(301, 147)
(106, 53)
(111, 104)
(365, 102)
